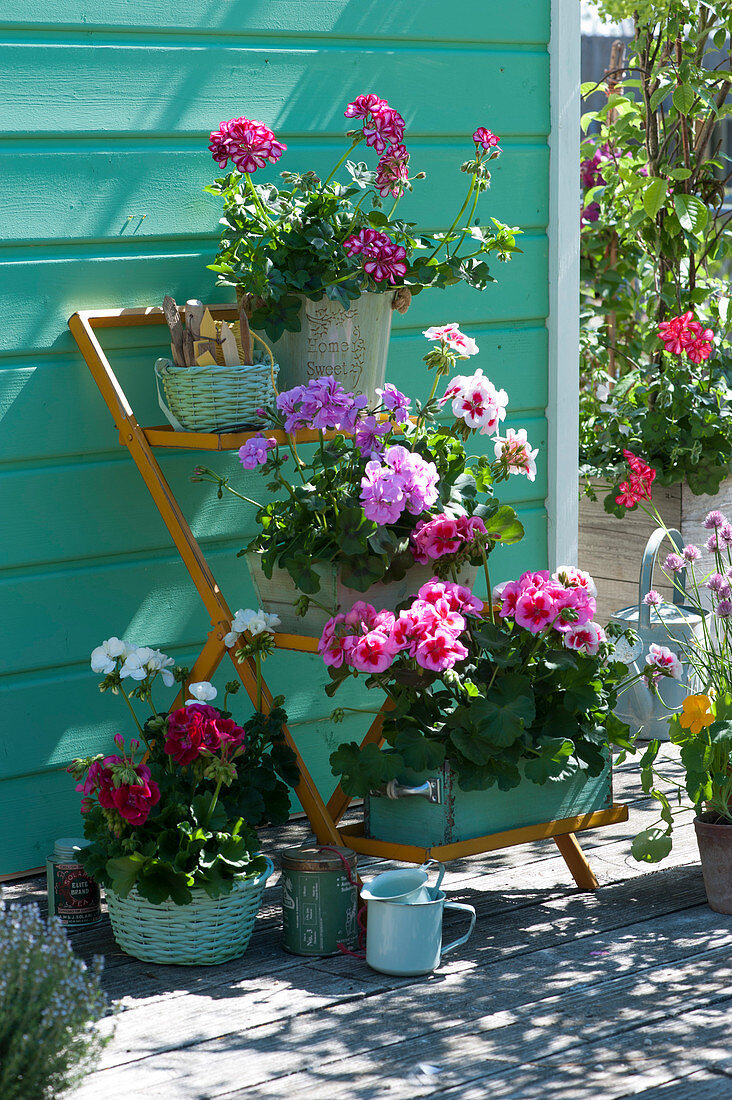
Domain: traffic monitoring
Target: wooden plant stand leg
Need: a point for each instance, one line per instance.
(576, 860)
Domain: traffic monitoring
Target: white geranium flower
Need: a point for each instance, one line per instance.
(231, 638)
(134, 666)
(255, 622)
(103, 658)
(202, 692)
(162, 664)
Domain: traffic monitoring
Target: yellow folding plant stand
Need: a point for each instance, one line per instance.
(324, 817)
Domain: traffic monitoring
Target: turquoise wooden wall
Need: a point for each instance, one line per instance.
(105, 110)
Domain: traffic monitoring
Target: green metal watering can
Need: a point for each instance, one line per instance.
(667, 625)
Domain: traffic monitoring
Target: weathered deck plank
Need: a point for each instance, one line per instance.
(560, 995)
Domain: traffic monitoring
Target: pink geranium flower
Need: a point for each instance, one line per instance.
(477, 402)
(440, 651)
(585, 638)
(535, 610)
(249, 144)
(660, 661)
(453, 339)
(515, 453)
(373, 652)
(487, 140)
(254, 452)
(392, 171)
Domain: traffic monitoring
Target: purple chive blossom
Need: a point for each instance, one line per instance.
(712, 542)
(653, 598)
(394, 401)
(723, 609)
(674, 563)
(691, 553)
(714, 519)
(725, 535)
(716, 582)
(368, 435)
(254, 452)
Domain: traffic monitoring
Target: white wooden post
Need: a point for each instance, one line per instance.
(563, 320)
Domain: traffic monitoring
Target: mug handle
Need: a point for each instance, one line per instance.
(427, 865)
(463, 939)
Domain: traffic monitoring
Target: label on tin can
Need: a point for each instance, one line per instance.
(319, 912)
(75, 895)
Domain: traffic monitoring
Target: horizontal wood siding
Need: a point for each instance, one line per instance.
(105, 111)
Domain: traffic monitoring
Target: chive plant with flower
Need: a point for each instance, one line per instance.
(702, 726)
(318, 238)
(383, 489)
(177, 806)
(523, 689)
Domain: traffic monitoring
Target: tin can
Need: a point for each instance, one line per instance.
(72, 895)
(319, 900)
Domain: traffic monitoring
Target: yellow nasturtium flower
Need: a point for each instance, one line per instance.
(697, 714)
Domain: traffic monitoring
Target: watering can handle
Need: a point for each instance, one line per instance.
(428, 865)
(646, 572)
(463, 939)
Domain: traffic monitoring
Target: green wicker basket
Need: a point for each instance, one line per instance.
(217, 398)
(207, 930)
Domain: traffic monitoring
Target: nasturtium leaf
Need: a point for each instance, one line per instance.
(651, 845)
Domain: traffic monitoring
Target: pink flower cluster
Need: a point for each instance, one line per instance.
(684, 334)
(395, 402)
(254, 452)
(132, 801)
(320, 405)
(249, 144)
(435, 538)
(383, 259)
(476, 401)
(453, 339)
(638, 485)
(561, 601)
(198, 729)
(487, 141)
(382, 125)
(392, 171)
(428, 631)
(660, 662)
(404, 481)
(515, 454)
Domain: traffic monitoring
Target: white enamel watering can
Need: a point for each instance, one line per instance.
(404, 922)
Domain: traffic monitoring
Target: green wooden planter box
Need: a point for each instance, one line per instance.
(463, 815)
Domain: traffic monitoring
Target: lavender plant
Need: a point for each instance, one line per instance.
(49, 1002)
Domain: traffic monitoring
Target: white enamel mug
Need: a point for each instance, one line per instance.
(406, 940)
(407, 886)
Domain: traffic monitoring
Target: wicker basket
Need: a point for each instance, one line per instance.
(217, 398)
(207, 930)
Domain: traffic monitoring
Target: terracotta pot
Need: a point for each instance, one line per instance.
(715, 849)
(279, 594)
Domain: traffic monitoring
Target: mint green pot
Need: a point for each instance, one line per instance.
(406, 940)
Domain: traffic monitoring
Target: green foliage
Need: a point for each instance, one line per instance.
(656, 243)
(282, 242)
(49, 1003)
(202, 833)
(518, 707)
(296, 536)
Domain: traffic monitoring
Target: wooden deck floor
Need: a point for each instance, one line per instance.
(559, 995)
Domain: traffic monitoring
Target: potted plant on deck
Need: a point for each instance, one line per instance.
(702, 727)
(322, 264)
(387, 494)
(172, 814)
(516, 698)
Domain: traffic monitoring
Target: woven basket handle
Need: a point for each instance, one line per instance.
(268, 349)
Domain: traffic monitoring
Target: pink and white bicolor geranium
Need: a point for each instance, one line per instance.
(477, 402)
